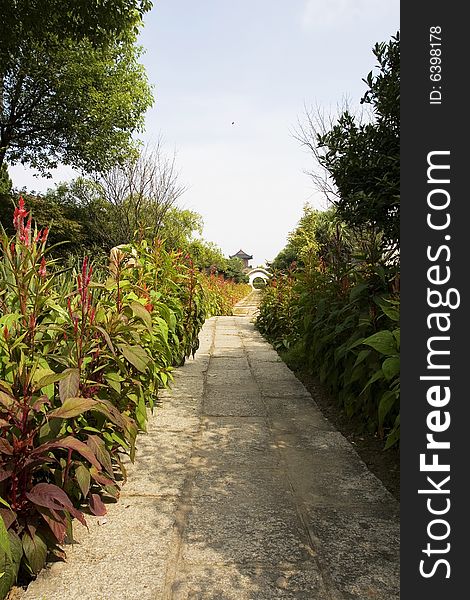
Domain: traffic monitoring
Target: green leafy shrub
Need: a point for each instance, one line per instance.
(339, 315)
(279, 317)
(82, 358)
(222, 294)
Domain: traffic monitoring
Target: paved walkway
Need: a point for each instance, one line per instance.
(248, 307)
(241, 491)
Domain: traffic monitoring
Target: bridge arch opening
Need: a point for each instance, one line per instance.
(255, 275)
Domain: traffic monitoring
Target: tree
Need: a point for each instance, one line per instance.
(142, 190)
(136, 198)
(363, 158)
(317, 233)
(71, 87)
(5, 182)
(178, 228)
(207, 256)
(234, 270)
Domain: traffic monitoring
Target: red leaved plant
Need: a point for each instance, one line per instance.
(52, 459)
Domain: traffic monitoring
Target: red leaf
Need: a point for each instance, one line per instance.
(74, 444)
(5, 447)
(53, 497)
(100, 478)
(6, 400)
(8, 516)
(111, 412)
(5, 473)
(56, 522)
(40, 402)
(36, 461)
(97, 506)
(50, 496)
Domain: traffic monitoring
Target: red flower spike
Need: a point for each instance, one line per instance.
(42, 269)
(69, 306)
(19, 215)
(84, 266)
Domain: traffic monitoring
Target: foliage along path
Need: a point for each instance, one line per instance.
(241, 490)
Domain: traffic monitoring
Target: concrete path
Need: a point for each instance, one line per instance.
(248, 307)
(241, 491)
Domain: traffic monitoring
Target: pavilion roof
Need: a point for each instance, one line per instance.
(241, 254)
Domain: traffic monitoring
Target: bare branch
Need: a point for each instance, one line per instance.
(142, 190)
(315, 123)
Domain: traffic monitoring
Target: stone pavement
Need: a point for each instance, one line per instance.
(241, 491)
(249, 305)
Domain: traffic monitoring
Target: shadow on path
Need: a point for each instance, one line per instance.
(242, 490)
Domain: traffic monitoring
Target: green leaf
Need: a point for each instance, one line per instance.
(141, 413)
(375, 377)
(115, 385)
(394, 436)
(44, 377)
(10, 566)
(382, 341)
(396, 335)
(82, 475)
(107, 339)
(6, 387)
(363, 354)
(357, 291)
(98, 447)
(72, 407)
(392, 313)
(391, 367)
(4, 539)
(162, 327)
(386, 404)
(136, 355)
(69, 384)
(142, 313)
(35, 550)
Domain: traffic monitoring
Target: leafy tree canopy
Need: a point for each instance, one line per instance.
(179, 226)
(314, 233)
(85, 219)
(71, 87)
(363, 159)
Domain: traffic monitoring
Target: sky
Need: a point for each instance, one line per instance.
(231, 80)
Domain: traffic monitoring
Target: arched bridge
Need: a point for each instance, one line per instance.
(258, 272)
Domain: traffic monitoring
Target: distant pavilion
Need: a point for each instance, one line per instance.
(244, 257)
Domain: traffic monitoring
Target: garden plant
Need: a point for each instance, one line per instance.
(84, 350)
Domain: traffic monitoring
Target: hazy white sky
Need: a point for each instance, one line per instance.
(255, 63)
